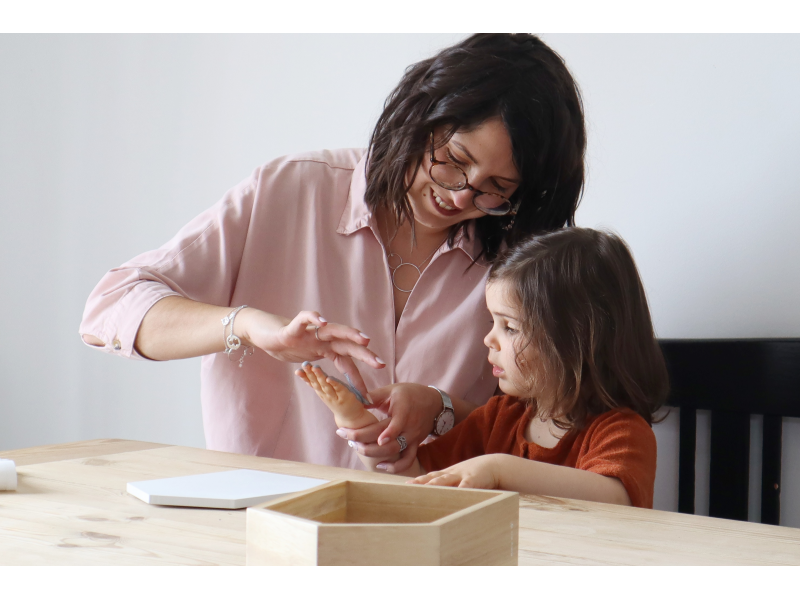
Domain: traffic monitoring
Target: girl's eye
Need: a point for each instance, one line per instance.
(510, 330)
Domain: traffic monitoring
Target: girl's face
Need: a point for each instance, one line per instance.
(485, 156)
(504, 341)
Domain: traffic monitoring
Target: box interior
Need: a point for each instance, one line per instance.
(361, 502)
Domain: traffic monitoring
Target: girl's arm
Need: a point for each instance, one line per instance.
(503, 471)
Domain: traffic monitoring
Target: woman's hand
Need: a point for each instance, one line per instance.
(308, 337)
(480, 472)
(412, 409)
(176, 327)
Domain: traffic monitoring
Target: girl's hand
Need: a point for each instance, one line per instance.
(412, 408)
(307, 337)
(480, 472)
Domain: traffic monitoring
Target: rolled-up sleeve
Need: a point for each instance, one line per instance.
(200, 263)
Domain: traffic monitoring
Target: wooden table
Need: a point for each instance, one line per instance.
(71, 508)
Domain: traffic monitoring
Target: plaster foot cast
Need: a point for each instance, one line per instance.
(347, 410)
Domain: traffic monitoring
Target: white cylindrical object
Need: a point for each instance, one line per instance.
(8, 475)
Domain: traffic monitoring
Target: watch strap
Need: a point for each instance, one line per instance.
(448, 404)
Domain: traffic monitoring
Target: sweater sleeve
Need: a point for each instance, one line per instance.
(622, 445)
(200, 263)
(466, 440)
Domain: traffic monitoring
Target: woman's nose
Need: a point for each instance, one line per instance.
(462, 199)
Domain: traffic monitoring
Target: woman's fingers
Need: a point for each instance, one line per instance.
(347, 349)
(379, 396)
(389, 451)
(393, 448)
(338, 332)
(345, 364)
(305, 320)
(365, 435)
(403, 463)
(397, 424)
(311, 322)
(310, 336)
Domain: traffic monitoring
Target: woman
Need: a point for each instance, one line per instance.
(476, 147)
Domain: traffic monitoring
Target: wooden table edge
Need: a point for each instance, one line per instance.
(83, 449)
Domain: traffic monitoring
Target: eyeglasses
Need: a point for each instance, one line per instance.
(452, 177)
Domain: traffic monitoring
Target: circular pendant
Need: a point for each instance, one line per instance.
(394, 258)
(400, 266)
(233, 342)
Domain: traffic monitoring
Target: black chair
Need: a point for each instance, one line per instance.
(733, 379)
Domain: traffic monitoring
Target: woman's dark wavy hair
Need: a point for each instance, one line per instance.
(516, 77)
(583, 306)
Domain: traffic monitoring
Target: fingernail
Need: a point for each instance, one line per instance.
(364, 335)
(381, 441)
(323, 320)
(379, 360)
(305, 364)
(369, 398)
(381, 466)
(341, 433)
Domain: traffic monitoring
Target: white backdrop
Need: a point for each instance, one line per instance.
(109, 144)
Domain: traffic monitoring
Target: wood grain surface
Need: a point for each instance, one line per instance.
(74, 510)
(41, 454)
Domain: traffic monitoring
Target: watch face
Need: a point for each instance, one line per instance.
(445, 422)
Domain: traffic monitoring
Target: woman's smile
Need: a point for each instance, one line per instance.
(442, 206)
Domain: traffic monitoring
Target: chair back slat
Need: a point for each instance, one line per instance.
(733, 379)
(687, 444)
(771, 470)
(729, 468)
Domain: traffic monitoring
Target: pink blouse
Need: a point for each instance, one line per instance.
(295, 236)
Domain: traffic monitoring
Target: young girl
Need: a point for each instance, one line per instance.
(573, 347)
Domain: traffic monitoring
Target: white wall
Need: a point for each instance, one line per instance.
(108, 144)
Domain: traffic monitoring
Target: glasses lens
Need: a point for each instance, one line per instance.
(492, 204)
(449, 177)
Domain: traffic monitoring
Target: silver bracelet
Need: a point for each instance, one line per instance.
(232, 341)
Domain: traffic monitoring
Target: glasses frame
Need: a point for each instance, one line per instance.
(510, 209)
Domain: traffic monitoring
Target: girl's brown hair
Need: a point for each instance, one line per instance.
(582, 305)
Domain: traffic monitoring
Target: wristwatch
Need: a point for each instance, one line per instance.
(447, 418)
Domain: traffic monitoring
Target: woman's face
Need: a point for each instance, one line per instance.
(504, 342)
(485, 155)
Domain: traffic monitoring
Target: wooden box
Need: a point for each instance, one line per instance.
(359, 523)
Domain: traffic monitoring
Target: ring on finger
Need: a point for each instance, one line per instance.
(402, 441)
(316, 333)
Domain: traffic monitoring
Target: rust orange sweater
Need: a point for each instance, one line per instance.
(618, 443)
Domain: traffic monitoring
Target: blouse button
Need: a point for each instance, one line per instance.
(117, 345)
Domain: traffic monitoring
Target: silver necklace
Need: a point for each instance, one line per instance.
(403, 263)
